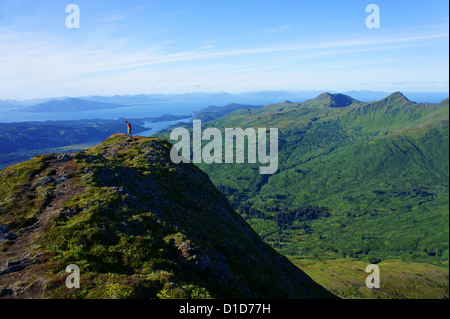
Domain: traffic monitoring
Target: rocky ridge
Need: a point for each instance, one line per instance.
(137, 225)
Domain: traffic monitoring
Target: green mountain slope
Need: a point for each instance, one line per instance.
(23, 140)
(399, 279)
(354, 179)
(137, 225)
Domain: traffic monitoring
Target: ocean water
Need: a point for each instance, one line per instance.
(9, 115)
(155, 127)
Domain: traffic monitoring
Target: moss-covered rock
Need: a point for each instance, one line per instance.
(138, 226)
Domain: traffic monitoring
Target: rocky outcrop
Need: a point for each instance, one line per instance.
(139, 226)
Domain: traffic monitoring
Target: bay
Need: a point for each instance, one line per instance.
(10, 115)
(155, 127)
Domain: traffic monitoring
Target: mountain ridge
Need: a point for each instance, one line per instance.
(137, 225)
(335, 100)
(347, 169)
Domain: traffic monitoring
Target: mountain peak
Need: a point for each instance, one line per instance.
(395, 101)
(137, 225)
(325, 95)
(332, 100)
(398, 96)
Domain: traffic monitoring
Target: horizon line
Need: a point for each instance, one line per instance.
(223, 92)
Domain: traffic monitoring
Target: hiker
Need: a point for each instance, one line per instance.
(128, 128)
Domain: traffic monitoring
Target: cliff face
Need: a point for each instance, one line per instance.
(137, 225)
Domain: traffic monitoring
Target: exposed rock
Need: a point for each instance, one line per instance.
(13, 266)
(148, 226)
(5, 292)
(6, 234)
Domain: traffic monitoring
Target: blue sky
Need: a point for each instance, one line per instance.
(132, 47)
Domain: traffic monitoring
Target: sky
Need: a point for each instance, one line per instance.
(178, 46)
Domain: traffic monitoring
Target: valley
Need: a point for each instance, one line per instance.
(357, 183)
(356, 180)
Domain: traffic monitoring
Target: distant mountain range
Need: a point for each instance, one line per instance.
(367, 180)
(220, 110)
(357, 183)
(70, 105)
(361, 180)
(126, 99)
(258, 97)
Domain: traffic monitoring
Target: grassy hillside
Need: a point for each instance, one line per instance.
(360, 180)
(345, 277)
(23, 140)
(137, 225)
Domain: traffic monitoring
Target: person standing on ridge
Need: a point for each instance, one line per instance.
(128, 128)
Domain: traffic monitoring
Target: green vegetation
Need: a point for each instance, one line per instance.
(26, 136)
(345, 277)
(138, 226)
(24, 140)
(13, 181)
(357, 183)
(361, 180)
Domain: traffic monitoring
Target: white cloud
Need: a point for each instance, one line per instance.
(34, 66)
